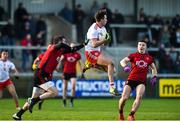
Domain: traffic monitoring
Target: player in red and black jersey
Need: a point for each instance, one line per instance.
(70, 60)
(140, 63)
(43, 75)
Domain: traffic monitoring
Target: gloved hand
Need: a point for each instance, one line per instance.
(127, 69)
(107, 38)
(153, 81)
(86, 41)
(34, 66)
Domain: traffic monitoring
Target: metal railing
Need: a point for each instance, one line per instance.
(133, 26)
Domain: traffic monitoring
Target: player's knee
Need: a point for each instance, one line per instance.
(124, 97)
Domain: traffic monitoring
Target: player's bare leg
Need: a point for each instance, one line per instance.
(65, 83)
(122, 100)
(140, 89)
(12, 91)
(73, 86)
(102, 60)
(50, 92)
(18, 115)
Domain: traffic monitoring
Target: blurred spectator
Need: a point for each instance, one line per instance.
(2, 13)
(79, 20)
(177, 63)
(165, 36)
(67, 13)
(109, 17)
(150, 30)
(27, 41)
(28, 27)
(20, 15)
(109, 12)
(8, 35)
(142, 32)
(94, 8)
(41, 31)
(165, 60)
(175, 39)
(176, 21)
(141, 14)
(173, 54)
(117, 18)
(158, 20)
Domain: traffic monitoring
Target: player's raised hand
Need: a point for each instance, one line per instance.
(127, 69)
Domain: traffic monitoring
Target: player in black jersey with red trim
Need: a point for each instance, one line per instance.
(43, 75)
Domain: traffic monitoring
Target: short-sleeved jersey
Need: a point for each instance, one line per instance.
(70, 61)
(140, 66)
(94, 32)
(5, 68)
(41, 56)
(50, 59)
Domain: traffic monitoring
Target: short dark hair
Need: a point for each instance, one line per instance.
(4, 50)
(145, 40)
(100, 15)
(56, 39)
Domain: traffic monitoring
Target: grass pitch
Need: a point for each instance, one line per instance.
(95, 109)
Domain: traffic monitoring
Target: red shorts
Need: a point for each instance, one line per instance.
(92, 56)
(5, 84)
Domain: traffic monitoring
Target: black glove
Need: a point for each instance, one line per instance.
(86, 41)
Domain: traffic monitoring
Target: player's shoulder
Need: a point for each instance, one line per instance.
(133, 54)
(147, 54)
(9, 62)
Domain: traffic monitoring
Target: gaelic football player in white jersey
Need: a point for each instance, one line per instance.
(98, 36)
(6, 67)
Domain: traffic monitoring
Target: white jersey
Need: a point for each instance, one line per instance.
(5, 67)
(94, 32)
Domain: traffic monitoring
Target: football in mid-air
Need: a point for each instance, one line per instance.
(103, 36)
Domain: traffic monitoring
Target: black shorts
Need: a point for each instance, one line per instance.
(68, 76)
(41, 77)
(133, 84)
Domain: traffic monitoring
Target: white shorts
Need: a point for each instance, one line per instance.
(38, 91)
(47, 85)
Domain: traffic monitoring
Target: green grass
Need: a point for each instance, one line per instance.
(95, 109)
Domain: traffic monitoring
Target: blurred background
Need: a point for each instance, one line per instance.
(26, 28)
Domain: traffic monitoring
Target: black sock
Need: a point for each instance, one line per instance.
(120, 111)
(132, 113)
(64, 101)
(35, 100)
(71, 99)
(20, 113)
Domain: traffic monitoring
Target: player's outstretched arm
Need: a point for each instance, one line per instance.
(124, 63)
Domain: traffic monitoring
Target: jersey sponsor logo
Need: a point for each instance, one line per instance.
(58, 59)
(71, 59)
(141, 63)
(169, 87)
